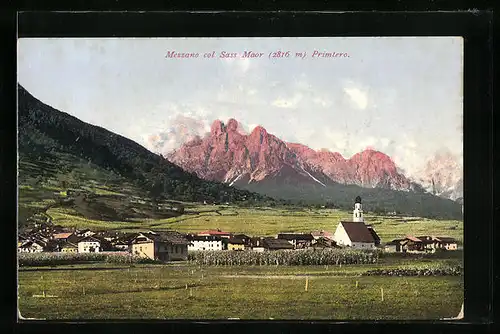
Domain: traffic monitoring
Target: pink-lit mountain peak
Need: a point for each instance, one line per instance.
(226, 154)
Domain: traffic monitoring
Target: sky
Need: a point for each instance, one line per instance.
(399, 95)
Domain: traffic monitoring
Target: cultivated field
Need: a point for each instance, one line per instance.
(189, 291)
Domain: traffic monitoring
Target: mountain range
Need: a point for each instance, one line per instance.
(261, 162)
(227, 165)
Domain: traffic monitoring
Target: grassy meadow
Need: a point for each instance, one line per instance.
(188, 291)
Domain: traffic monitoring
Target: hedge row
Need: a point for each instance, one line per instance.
(451, 271)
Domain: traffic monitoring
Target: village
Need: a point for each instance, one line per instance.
(174, 246)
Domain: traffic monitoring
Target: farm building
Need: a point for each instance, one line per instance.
(123, 242)
(322, 234)
(298, 240)
(204, 242)
(65, 236)
(257, 244)
(393, 246)
(245, 238)
(163, 246)
(85, 233)
(89, 245)
(355, 233)
(276, 244)
(233, 244)
(374, 235)
(324, 243)
(69, 247)
(446, 243)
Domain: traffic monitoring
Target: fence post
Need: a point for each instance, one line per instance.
(307, 282)
(382, 293)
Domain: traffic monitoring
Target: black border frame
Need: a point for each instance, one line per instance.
(477, 29)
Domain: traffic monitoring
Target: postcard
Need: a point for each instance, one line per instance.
(240, 178)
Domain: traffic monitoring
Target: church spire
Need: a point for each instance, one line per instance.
(357, 214)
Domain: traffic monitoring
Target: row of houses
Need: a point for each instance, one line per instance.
(419, 244)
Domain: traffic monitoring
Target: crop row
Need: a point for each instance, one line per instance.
(284, 257)
(50, 259)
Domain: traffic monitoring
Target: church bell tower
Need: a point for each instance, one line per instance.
(357, 214)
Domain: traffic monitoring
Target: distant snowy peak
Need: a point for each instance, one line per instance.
(442, 175)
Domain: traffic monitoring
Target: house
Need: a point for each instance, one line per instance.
(245, 238)
(413, 244)
(64, 236)
(124, 241)
(322, 243)
(355, 233)
(374, 235)
(163, 246)
(233, 244)
(277, 244)
(30, 247)
(21, 240)
(394, 245)
(257, 244)
(52, 246)
(204, 242)
(108, 235)
(89, 245)
(86, 233)
(41, 237)
(447, 243)
(298, 240)
(106, 245)
(69, 247)
(216, 232)
(322, 234)
(176, 244)
(432, 243)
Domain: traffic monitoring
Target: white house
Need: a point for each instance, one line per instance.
(30, 247)
(86, 233)
(201, 243)
(89, 245)
(355, 233)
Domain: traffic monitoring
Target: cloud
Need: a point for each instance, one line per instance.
(322, 102)
(358, 97)
(180, 129)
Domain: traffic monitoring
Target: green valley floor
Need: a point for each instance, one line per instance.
(188, 291)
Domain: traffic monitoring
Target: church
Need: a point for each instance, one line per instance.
(356, 234)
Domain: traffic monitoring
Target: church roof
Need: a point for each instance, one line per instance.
(358, 200)
(357, 231)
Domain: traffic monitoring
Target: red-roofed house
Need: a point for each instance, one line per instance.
(217, 232)
(322, 234)
(62, 236)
